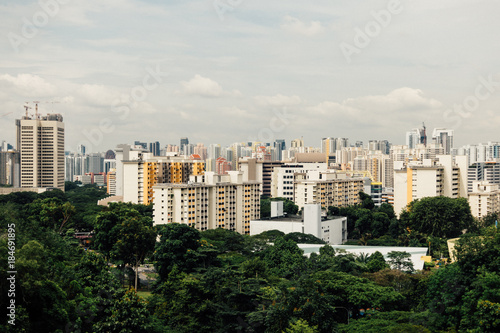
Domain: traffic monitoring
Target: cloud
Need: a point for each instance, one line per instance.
(399, 99)
(97, 95)
(278, 100)
(400, 105)
(205, 87)
(29, 85)
(295, 25)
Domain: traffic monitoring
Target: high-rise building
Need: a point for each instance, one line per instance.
(280, 145)
(297, 143)
(484, 199)
(443, 137)
(95, 163)
(9, 168)
(429, 178)
(141, 144)
(209, 202)
(154, 147)
(40, 141)
(184, 141)
(81, 149)
(222, 166)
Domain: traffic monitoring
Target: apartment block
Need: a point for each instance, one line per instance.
(483, 171)
(140, 175)
(208, 202)
(484, 199)
(444, 176)
(331, 190)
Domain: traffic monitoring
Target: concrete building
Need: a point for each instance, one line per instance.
(331, 189)
(282, 177)
(443, 137)
(40, 142)
(209, 201)
(10, 168)
(483, 171)
(259, 171)
(111, 182)
(333, 231)
(484, 199)
(141, 174)
(429, 178)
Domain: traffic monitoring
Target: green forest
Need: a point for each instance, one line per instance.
(221, 281)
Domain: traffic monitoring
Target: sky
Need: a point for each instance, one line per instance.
(225, 71)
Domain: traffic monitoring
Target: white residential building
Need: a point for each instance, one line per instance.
(209, 201)
(484, 199)
(429, 178)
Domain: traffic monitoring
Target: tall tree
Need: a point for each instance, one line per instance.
(439, 216)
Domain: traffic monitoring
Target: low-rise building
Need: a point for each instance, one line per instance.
(332, 231)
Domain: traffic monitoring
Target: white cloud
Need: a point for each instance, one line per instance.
(29, 85)
(400, 105)
(205, 87)
(399, 99)
(295, 25)
(97, 95)
(278, 100)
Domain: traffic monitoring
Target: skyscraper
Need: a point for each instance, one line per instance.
(184, 141)
(40, 141)
(280, 145)
(154, 147)
(443, 137)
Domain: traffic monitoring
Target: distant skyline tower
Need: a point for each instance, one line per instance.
(154, 147)
(81, 149)
(423, 135)
(142, 144)
(280, 145)
(40, 141)
(183, 141)
(443, 137)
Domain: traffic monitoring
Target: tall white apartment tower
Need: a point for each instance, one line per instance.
(40, 141)
(443, 137)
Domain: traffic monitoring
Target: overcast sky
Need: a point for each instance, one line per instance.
(229, 71)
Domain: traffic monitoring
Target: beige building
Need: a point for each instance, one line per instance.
(331, 190)
(141, 174)
(40, 141)
(484, 199)
(208, 202)
(445, 176)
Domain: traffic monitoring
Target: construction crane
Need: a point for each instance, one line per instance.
(37, 116)
(26, 106)
(6, 114)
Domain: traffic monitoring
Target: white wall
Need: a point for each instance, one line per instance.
(131, 182)
(257, 227)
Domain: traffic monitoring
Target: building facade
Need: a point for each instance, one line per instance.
(208, 202)
(40, 142)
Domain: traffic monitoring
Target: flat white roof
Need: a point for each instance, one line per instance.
(416, 252)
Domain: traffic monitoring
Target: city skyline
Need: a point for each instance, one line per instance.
(251, 71)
